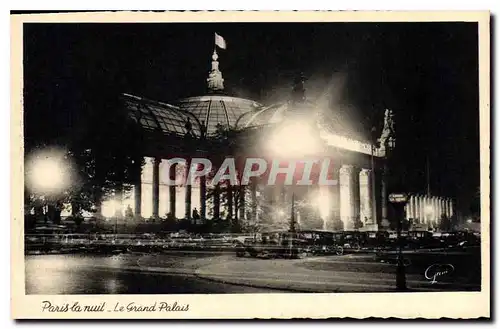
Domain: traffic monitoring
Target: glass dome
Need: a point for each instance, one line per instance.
(213, 110)
(162, 117)
(327, 122)
(193, 114)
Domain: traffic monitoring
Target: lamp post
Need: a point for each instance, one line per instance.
(401, 271)
(292, 217)
(48, 174)
(400, 216)
(372, 164)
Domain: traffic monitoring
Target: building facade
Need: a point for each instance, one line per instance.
(429, 212)
(191, 127)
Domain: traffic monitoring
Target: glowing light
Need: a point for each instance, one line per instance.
(295, 138)
(349, 144)
(128, 201)
(429, 209)
(281, 212)
(66, 210)
(109, 208)
(321, 200)
(48, 172)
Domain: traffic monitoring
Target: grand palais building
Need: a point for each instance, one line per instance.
(189, 126)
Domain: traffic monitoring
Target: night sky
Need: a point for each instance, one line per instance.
(426, 72)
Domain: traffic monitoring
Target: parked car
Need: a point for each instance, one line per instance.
(274, 245)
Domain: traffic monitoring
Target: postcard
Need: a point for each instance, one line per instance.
(250, 165)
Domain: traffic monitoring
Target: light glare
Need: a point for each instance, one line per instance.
(48, 172)
(293, 139)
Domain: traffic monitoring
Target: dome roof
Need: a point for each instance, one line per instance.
(212, 110)
(162, 117)
(326, 121)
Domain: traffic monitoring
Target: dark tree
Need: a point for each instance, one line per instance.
(475, 206)
(106, 148)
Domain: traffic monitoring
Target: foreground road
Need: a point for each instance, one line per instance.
(123, 274)
(181, 273)
(349, 273)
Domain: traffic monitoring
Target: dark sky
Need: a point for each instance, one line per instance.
(426, 72)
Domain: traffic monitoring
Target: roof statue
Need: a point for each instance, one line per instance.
(387, 138)
(215, 80)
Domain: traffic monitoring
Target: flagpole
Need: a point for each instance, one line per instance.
(215, 45)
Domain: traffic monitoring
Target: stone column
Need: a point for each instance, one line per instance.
(443, 207)
(366, 197)
(415, 208)
(436, 210)
(410, 209)
(452, 210)
(426, 211)
(440, 206)
(171, 190)
(432, 212)
(347, 196)
(446, 207)
(413, 203)
(421, 217)
(156, 187)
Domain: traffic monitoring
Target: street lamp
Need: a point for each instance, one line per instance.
(48, 176)
(47, 172)
(321, 201)
(110, 209)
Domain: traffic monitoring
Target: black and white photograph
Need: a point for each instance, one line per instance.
(238, 157)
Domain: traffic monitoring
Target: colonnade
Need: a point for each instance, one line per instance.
(429, 210)
(353, 198)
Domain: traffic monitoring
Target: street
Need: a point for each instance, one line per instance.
(203, 272)
(130, 273)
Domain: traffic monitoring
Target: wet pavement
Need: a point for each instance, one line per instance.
(129, 273)
(209, 273)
